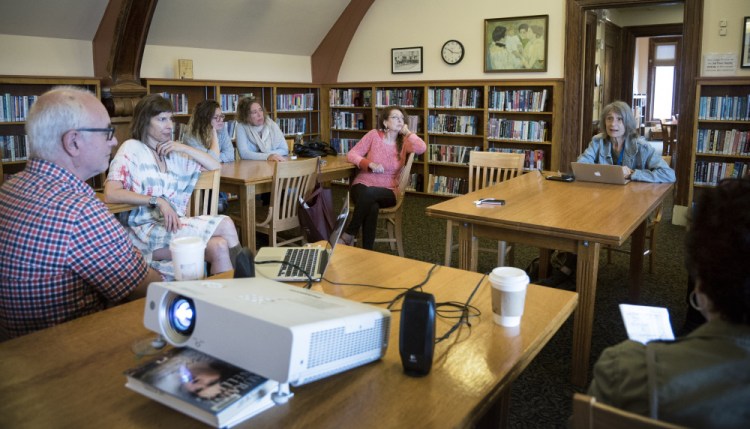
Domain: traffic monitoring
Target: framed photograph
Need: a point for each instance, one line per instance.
(516, 44)
(406, 60)
(745, 64)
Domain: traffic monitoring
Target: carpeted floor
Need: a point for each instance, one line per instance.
(541, 397)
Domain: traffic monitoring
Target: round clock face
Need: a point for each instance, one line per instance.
(453, 52)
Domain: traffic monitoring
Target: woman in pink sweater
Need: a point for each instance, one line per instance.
(380, 155)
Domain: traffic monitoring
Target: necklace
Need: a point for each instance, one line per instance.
(160, 162)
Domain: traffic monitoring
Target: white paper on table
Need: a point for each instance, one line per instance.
(645, 323)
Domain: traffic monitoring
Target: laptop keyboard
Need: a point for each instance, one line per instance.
(304, 258)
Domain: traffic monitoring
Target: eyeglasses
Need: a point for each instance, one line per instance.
(396, 117)
(109, 130)
(218, 117)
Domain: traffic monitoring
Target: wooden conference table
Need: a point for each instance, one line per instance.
(71, 375)
(574, 217)
(248, 178)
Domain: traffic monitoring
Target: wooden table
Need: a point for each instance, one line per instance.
(248, 178)
(71, 375)
(115, 208)
(574, 217)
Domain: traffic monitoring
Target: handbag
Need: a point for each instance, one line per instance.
(313, 149)
(316, 216)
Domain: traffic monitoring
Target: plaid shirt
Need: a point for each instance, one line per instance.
(62, 254)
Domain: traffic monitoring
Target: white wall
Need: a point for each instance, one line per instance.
(430, 23)
(43, 56)
(212, 64)
(734, 11)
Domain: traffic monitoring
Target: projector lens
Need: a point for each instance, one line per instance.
(182, 315)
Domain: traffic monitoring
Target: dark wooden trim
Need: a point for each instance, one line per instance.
(572, 140)
(327, 58)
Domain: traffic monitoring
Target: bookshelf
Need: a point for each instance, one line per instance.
(721, 146)
(454, 118)
(17, 94)
(294, 107)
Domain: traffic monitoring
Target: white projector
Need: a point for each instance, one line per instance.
(279, 331)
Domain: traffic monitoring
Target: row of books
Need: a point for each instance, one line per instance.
(15, 107)
(348, 120)
(179, 102)
(349, 97)
(518, 100)
(295, 102)
(398, 97)
(342, 146)
(292, 125)
(229, 102)
(533, 158)
(452, 124)
(725, 108)
(508, 129)
(709, 173)
(726, 142)
(450, 153)
(14, 148)
(446, 185)
(456, 98)
(416, 182)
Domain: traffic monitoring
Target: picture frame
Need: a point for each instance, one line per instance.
(515, 44)
(745, 63)
(406, 60)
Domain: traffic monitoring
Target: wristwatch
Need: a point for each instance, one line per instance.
(152, 201)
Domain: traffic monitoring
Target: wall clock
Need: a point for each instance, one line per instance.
(452, 52)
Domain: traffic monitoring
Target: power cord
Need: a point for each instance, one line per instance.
(465, 310)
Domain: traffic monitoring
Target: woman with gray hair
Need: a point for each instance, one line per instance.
(618, 143)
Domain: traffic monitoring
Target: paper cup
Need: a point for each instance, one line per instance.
(508, 295)
(188, 258)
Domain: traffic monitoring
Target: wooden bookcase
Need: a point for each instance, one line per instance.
(721, 145)
(291, 105)
(454, 118)
(16, 96)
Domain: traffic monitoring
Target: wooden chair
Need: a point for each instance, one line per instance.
(669, 139)
(653, 222)
(486, 169)
(205, 198)
(291, 180)
(590, 414)
(392, 217)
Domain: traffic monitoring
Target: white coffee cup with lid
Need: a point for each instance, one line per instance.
(509, 286)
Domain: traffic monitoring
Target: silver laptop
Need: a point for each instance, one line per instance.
(601, 173)
(312, 259)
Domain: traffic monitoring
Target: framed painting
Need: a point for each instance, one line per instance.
(406, 60)
(516, 44)
(745, 64)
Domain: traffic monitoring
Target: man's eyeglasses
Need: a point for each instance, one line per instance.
(219, 117)
(110, 131)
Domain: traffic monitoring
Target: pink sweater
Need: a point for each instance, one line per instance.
(371, 148)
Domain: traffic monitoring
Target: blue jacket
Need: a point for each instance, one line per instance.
(639, 156)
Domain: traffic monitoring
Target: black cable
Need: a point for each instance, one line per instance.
(309, 277)
(465, 310)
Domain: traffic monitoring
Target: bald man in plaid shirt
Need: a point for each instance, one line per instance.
(62, 254)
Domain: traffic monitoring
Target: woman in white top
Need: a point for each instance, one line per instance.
(258, 136)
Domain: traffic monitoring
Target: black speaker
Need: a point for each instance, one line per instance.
(416, 342)
(244, 264)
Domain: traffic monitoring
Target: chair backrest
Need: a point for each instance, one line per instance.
(205, 198)
(488, 168)
(403, 179)
(291, 180)
(590, 414)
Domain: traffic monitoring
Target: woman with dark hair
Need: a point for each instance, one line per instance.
(258, 136)
(380, 155)
(498, 56)
(206, 131)
(618, 143)
(702, 379)
(158, 175)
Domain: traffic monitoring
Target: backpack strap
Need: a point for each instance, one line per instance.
(653, 394)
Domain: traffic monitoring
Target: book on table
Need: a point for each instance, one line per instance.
(203, 387)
